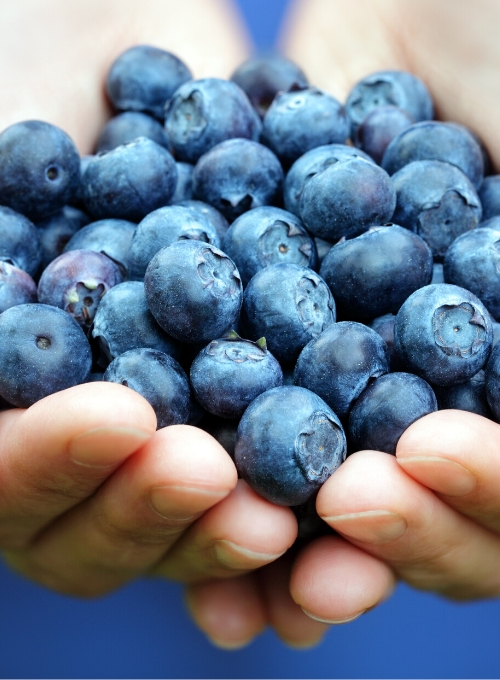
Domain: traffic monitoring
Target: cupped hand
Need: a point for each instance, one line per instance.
(430, 515)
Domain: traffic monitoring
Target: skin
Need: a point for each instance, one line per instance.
(93, 496)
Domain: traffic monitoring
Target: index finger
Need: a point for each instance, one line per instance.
(61, 449)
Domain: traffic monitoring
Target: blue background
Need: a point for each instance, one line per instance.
(144, 631)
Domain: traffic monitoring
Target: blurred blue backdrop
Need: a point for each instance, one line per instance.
(144, 631)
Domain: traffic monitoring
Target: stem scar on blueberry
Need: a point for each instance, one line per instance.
(42, 342)
(52, 173)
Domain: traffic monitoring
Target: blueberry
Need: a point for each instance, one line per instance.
(143, 78)
(184, 186)
(130, 181)
(437, 273)
(158, 378)
(301, 120)
(206, 112)
(289, 305)
(489, 195)
(19, 241)
(110, 237)
(39, 169)
(394, 88)
(123, 321)
(163, 227)
(468, 396)
(76, 281)
(57, 230)
(238, 175)
(288, 443)
(216, 218)
(379, 128)
(435, 141)
(265, 236)
(492, 382)
(314, 161)
(230, 372)
(339, 364)
(472, 261)
(443, 333)
(16, 287)
(346, 199)
(437, 201)
(384, 326)
(194, 291)
(42, 351)
(261, 78)
(127, 126)
(386, 408)
(374, 273)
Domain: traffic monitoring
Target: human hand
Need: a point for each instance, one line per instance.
(441, 490)
(82, 469)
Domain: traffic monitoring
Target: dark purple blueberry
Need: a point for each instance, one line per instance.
(206, 112)
(473, 262)
(384, 326)
(346, 199)
(289, 305)
(19, 241)
(393, 88)
(143, 78)
(158, 378)
(340, 363)
(184, 186)
(489, 195)
(386, 408)
(238, 175)
(42, 351)
(299, 121)
(433, 141)
(194, 291)
(310, 524)
(216, 218)
(16, 287)
(436, 201)
(56, 231)
(443, 333)
(110, 237)
(374, 273)
(288, 443)
(127, 126)
(379, 128)
(76, 281)
(39, 169)
(492, 381)
(314, 161)
(261, 78)
(163, 227)
(468, 396)
(123, 321)
(265, 236)
(230, 372)
(130, 181)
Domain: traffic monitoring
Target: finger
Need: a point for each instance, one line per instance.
(291, 624)
(61, 449)
(230, 612)
(455, 453)
(134, 517)
(241, 533)
(335, 582)
(69, 92)
(375, 504)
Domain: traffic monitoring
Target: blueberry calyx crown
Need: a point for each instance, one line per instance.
(459, 330)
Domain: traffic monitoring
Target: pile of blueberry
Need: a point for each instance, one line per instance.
(299, 277)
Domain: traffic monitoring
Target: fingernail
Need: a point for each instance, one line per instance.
(105, 446)
(235, 556)
(440, 474)
(333, 622)
(229, 646)
(373, 526)
(183, 503)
